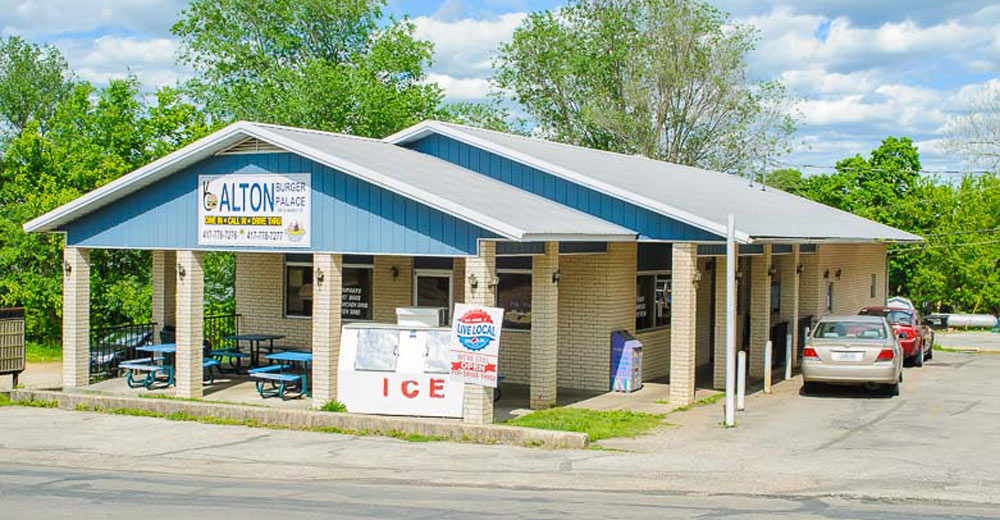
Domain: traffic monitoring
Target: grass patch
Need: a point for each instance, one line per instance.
(712, 399)
(333, 406)
(194, 400)
(183, 416)
(42, 353)
(966, 350)
(597, 424)
(5, 400)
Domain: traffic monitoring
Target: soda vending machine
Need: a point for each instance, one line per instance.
(626, 362)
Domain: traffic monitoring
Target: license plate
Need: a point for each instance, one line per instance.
(847, 356)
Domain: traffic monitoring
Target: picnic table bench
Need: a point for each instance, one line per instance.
(151, 367)
(280, 381)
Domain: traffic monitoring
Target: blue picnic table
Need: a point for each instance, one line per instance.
(281, 375)
(152, 366)
(254, 340)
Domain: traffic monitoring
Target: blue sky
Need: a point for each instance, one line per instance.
(859, 69)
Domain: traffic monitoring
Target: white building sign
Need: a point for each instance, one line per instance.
(263, 209)
(475, 345)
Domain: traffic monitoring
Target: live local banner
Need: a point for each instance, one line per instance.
(261, 209)
(475, 345)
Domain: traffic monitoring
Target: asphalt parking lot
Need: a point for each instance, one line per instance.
(932, 447)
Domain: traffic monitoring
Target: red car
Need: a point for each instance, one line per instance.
(916, 338)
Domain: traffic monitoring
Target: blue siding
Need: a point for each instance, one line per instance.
(349, 215)
(648, 224)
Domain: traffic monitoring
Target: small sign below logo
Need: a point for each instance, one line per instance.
(476, 348)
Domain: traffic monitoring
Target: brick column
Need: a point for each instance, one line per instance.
(478, 405)
(326, 326)
(794, 325)
(719, 368)
(164, 290)
(683, 323)
(760, 310)
(544, 326)
(190, 272)
(810, 287)
(76, 317)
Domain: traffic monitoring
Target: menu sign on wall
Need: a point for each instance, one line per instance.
(264, 209)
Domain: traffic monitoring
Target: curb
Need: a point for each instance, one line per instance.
(305, 419)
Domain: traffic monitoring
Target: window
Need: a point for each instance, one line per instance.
(514, 297)
(356, 298)
(652, 285)
(652, 300)
(872, 290)
(829, 296)
(356, 288)
(432, 288)
(775, 296)
(298, 285)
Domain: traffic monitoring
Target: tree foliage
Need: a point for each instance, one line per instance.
(337, 66)
(33, 80)
(957, 268)
(93, 137)
(666, 79)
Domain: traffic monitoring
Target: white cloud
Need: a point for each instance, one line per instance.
(463, 48)
(461, 89)
(34, 18)
(107, 57)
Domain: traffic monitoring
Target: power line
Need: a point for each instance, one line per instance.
(852, 168)
(974, 231)
(939, 246)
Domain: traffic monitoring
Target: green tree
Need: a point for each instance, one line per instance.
(666, 79)
(33, 80)
(786, 179)
(93, 137)
(338, 66)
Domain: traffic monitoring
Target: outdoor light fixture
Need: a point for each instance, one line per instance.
(494, 283)
(394, 272)
(555, 276)
(799, 268)
(826, 274)
(771, 271)
(319, 276)
(837, 274)
(67, 268)
(473, 281)
(181, 272)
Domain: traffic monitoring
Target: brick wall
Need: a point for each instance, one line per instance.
(596, 296)
(260, 299)
(391, 292)
(856, 262)
(655, 353)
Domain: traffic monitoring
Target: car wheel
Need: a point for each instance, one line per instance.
(930, 351)
(893, 389)
(918, 360)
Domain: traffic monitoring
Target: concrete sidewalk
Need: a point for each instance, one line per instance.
(983, 341)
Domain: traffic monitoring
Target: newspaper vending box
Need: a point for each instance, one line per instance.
(626, 362)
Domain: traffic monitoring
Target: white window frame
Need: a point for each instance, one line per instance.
(436, 273)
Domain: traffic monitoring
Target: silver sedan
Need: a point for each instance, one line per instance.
(853, 350)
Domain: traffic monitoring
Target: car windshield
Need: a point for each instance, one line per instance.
(900, 317)
(850, 329)
(895, 316)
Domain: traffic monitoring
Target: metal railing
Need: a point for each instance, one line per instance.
(216, 328)
(12, 341)
(109, 346)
